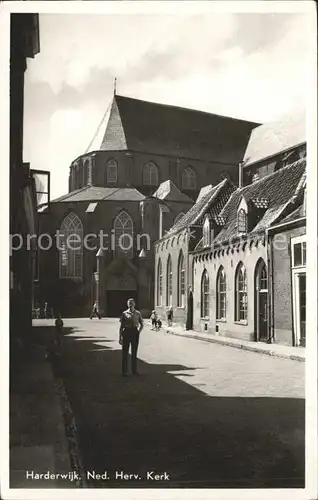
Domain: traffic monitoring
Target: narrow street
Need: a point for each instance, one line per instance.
(200, 415)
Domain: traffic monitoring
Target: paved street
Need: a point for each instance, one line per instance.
(207, 415)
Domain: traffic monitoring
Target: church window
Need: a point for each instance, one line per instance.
(150, 174)
(188, 179)
(71, 247)
(111, 172)
(124, 229)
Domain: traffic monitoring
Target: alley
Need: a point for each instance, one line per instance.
(200, 415)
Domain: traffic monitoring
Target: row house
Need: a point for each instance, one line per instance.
(244, 261)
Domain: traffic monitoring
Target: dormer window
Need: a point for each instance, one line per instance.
(206, 232)
(242, 221)
(242, 213)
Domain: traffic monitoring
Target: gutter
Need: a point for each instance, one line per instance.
(285, 224)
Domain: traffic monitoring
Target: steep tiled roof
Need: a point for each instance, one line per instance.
(278, 188)
(200, 207)
(95, 193)
(272, 138)
(168, 191)
(158, 128)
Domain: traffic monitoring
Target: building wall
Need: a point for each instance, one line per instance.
(130, 170)
(282, 285)
(229, 260)
(172, 246)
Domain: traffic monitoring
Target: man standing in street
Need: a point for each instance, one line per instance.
(131, 324)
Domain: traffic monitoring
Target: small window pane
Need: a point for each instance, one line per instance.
(304, 253)
(297, 254)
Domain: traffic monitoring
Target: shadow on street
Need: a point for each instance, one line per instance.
(157, 422)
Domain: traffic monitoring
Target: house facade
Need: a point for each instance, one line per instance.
(246, 274)
(133, 185)
(24, 44)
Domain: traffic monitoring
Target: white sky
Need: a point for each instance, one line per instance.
(251, 66)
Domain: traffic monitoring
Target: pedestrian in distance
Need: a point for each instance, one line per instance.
(170, 315)
(95, 311)
(131, 325)
(59, 331)
(153, 318)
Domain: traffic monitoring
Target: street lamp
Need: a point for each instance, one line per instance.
(99, 255)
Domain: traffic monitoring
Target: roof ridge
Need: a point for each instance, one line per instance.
(262, 179)
(186, 109)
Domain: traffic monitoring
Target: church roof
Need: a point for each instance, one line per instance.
(196, 211)
(96, 193)
(168, 191)
(138, 125)
(273, 138)
(281, 189)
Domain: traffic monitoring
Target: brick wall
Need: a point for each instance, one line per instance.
(282, 285)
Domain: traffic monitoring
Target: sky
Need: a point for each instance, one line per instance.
(249, 66)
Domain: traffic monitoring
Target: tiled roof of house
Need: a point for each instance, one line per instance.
(278, 189)
(272, 138)
(138, 125)
(201, 206)
(95, 193)
(168, 191)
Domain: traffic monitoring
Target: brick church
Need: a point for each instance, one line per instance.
(142, 177)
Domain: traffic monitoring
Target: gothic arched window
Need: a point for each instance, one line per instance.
(111, 176)
(124, 231)
(150, 174)
(189, 179)
(240, 293)
(205, 295)
(169, 283)
(221, 294)
(71, 247)
(181, 281)
(159, 284)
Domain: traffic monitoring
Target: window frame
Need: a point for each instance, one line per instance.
(221, 295)
(181, 281)
(205, 295)
(73, 268)
(241, 295)
(150, 170)
(128, 224)
(299, 240)
(159, 283)
(111, 164)
(187, 174)
(241, 221)
(169, 282)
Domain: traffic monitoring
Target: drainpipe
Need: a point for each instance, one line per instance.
(270, 305)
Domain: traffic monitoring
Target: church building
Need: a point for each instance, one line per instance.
(133, 185)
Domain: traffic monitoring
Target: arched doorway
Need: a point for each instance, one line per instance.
(119, 288)
(261, 302)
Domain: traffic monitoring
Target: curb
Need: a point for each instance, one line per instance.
(245, 347)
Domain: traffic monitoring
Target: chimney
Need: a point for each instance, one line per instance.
(241, 163)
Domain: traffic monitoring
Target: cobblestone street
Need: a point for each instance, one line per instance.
(200, 415)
